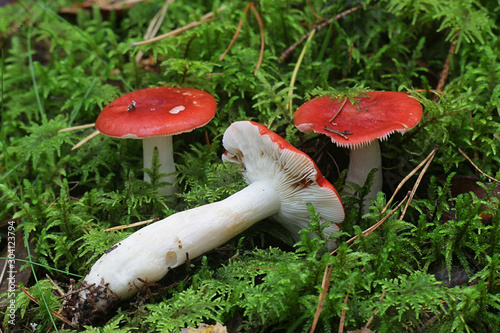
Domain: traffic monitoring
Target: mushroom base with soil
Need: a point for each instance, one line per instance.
(148, 254)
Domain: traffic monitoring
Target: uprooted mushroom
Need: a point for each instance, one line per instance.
(282, 180)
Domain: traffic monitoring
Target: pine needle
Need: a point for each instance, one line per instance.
(204, 19)
(73, 128)
(121, 227)
(86, 139)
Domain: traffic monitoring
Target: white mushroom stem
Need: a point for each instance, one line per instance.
(166, 160)
(361, 161)
(151, 252)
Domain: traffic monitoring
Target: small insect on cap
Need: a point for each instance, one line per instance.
(267, 157)
(375, 115)
(156, 112)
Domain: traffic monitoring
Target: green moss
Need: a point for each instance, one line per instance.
(435, 270)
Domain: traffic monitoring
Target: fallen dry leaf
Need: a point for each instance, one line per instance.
(217, 328)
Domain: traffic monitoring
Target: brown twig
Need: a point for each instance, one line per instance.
(342, 316)
(477, 168)
(376, 225)
(204, 19)
(320, 26)
(324, 285)
(338, 111)
(375, 311)
(37, 302)
(446, 67)
(329, 269)
(340, 133)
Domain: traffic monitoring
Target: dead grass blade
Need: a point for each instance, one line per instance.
(86, 139)
(329, 269)
(324, 284)
(342, 316)
(73, 128)
(54, 313)
(154, 26)
(120, 227)
(205, 18)
(375, 311)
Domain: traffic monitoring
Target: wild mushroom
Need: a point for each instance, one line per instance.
(155, 115)
(282, 180)
(359, 128)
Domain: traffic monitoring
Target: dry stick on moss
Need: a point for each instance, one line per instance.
(376, 225)
(325, 283)
(37, 302)
(433, 152)
(154, 26)
(342, 317)
(328, 269)
(296, 71)
(204, 19)
(368, 323)
(446, 67)
(338, 111)
(477, 168)
(249, 6)
(318, 27)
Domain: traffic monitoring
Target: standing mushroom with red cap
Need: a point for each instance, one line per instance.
(155, 115)
(359, 127)
(282, 181)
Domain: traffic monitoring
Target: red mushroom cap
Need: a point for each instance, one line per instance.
(156, 112)
(374, 117)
